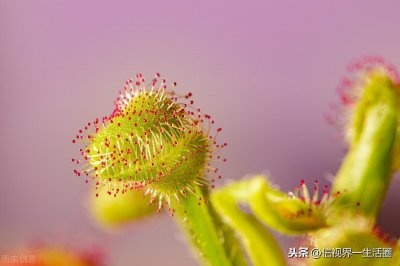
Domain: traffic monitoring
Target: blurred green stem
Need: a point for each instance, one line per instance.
(196, 221)
(258, 241)
(365, 173)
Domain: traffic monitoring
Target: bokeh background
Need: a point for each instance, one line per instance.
(266, 70)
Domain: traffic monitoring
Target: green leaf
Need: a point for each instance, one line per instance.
(276, 209)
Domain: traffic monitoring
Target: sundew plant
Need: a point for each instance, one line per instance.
(156, 151)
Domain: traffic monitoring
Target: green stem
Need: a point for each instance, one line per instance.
(365, 173)
(233, 248)
(196, 221)
(258, 241)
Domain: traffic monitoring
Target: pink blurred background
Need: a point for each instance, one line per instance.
(266, 70)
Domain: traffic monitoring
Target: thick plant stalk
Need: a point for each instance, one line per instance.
(231, 243)
(366, 171)
(258, 241)
(197, 222)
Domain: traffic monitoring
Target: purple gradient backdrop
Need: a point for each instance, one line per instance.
(266, 70)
